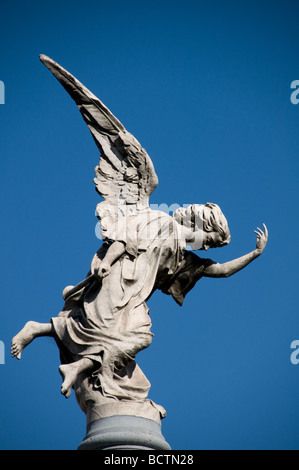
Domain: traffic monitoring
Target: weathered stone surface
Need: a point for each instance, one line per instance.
(105, 320)
(124, 433)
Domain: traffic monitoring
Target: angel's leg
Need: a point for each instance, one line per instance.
(70, 372)
(30, 331)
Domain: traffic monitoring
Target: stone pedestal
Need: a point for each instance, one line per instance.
(124, 433)
(119, 424)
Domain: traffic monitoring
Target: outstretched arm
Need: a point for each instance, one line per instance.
(232, 267)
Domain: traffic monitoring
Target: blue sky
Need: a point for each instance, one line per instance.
(205, 88)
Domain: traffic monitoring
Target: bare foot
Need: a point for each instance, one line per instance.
(23, 338)
(69, 373)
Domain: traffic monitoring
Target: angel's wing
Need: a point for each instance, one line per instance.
(125, 171)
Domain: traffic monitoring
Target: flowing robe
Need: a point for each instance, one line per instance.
(108, 321)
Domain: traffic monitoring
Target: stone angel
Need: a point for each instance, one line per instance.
(105, 320)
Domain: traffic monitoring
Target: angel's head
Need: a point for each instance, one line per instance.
(204, 225)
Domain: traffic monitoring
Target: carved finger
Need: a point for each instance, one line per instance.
(266, 230)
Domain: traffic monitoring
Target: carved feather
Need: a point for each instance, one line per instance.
(125, 171)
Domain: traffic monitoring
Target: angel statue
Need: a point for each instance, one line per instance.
(105, 320)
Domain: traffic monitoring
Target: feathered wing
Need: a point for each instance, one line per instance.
(125, 171)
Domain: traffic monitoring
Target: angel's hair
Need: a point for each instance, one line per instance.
(214, 221)
(207, 217)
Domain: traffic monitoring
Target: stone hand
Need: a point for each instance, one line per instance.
(103, 270)
(261, 239)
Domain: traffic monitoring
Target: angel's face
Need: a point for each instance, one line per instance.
(202, 240)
